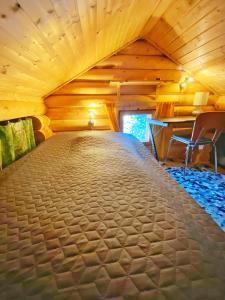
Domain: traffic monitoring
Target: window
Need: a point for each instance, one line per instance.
(136, 124)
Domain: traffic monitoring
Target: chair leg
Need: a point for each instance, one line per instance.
(186, 158)
(191, 156)
(168, 150)
(215, 157)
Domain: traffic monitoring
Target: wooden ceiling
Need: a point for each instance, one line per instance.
(192, 33)
(46, 43)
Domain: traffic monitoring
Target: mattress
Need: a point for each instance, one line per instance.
(91, 215)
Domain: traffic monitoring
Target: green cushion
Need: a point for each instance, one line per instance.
(0, 155)
(6, 136)
(28, 126)
(19, 139)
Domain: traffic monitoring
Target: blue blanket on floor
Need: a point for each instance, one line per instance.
(207, 188)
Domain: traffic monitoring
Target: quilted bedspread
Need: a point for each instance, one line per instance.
(91, 215)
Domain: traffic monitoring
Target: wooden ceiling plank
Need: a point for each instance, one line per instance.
(200, 40)
(64, 17)
(175, 38)
(159, 8)
(180, 20)
(38, 29)
(206, 60)
(214, 44)
(47, 25)
(203, 25)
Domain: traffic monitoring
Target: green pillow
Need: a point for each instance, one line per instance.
(28, 126)
(0, 155)
(19, 139)
(6, 136)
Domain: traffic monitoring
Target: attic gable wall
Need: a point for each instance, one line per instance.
(147, 77)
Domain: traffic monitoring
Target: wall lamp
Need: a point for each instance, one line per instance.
(183, 84)
(91, 121)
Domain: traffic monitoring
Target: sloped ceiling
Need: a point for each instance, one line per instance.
(45, 43)
(192, 33)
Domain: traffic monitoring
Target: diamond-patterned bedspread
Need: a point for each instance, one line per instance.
(90, 215)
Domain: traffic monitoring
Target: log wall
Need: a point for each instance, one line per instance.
(17, 109)
(146, 76)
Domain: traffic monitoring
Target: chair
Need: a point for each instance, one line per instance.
(203, 123)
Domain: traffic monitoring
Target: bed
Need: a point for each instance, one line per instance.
(91, 215)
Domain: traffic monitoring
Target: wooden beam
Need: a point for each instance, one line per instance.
(81, 124)
(78, 100)
(70, 113)
(132, 74)
(143, 62)
(90, 100)
(104, 88)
